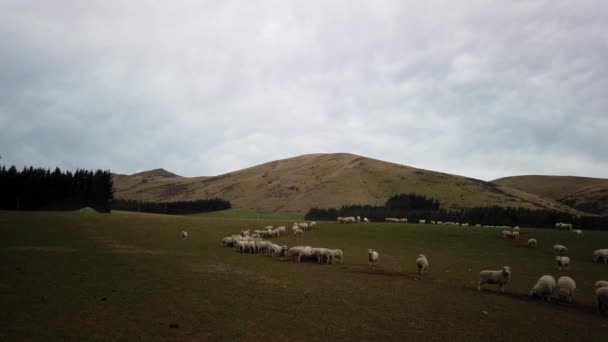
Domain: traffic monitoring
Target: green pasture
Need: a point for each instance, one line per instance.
(129, 276)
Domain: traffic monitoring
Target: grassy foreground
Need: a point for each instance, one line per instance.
(127, 276)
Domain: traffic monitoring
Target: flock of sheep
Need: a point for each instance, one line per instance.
(545, 287)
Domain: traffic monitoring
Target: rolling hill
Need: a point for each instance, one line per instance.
(582, 193)
(294, 185)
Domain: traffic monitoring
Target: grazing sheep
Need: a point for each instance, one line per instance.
(516, 229)
(566, 287)
(402, 220)
(340, 219)
(312, 224)
(281, 230)
(562, 262)
(544, 287)
(601, 283)
(241, 246)
(372, 257)
(245, 232)
(422, 221)
(601, 295)
(532, 243)
(507, 234)
(422, 264)
(227, 241)
(365, 220)
(559, 249)
(561, 225)
(500, 277)
(303, 225)
(515, 235)
(274, 250)
(578, 233)
(184, 235)
(337, 254)
(358, 218)
(600, 255)
(298, 231)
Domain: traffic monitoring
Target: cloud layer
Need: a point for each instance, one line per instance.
(202, 88)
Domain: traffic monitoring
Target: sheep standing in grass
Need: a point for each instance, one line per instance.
(601, 295)
(544, 287)
(578, 233)
(516, 229)
(601, 283)
(562, 262)
(184, 235)
(600, 255)
(422, 264)
(298, 231)
(281, 230)
(372, 257)
(532, 243)
(559, 249)
(365, 219)
(515, 235)
(507, 234)
(500, 278)
(566, 287)
(337, 254)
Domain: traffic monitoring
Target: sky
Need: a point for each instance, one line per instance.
(484, 89)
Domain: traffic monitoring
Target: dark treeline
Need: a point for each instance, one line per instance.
(496, 216)
(172, 208)
(41, 189)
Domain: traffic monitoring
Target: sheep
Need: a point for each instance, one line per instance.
(184, 235)
(340, 219)
(466, 224)
(227, 241)
(600, 255)
(312, 224)
(561, 225)
(532, 243)
(559, 249)
(245, 232)
(562, 262)
(358, 218)
(507, 234)
(337, 254)
(566, 287)
(422, 221)
(402, 220)
(323, 255)
(365, 220)
(274, 250)
(516, 229)
(281, 230)
(601, 283)
(372, 257)
(500, 277)
(268, 228)
(422, 264)
(298, 231)
(544, 287)
(241, 246)
(578, 233)
(303, 226)
(515, 235)
(601, 295)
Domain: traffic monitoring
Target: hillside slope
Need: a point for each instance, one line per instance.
(583, 193)
(325, 180)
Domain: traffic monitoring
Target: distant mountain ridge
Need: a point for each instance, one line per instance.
(294, 185)
(582, 193)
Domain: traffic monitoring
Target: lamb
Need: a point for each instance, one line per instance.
(600, 255)
(337, 254)
(184, 235)
(500, 277)
(515, 235)
(601, 295)
(559, 249)
(532, 243)
(601, 283)
(566, 287)
(507, 234)
(562, 262)
(298, 231)
(578, 233)
(372, 257)
(544, 287)
(422, 264)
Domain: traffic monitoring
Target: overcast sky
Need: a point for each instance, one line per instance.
(477, 88)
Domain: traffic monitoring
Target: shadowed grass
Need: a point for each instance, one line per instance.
(250, 214)
(158, 286)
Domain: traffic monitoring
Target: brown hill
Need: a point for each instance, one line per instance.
(325, 180)
(583, 193)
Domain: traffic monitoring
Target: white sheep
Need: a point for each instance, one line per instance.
(312, 224)
(532, 243)
(358, 218)
(601, 283)
(601, 295)
(422, 221)
(544, 287)
(578, 233)
(516, 229)
(515, 235)
(184, 235)
(365, 219)
(337, 254)
(422, 264)
(559, 249)
(507, 234)
(298, 231)
(372, 257)
(281, 230)
(500, 277)
(562, 262)
(566, 287)
(600, 255)
(274, 250)
(241, 246)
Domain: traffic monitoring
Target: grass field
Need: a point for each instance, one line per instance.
(127, 276)
(250, 214)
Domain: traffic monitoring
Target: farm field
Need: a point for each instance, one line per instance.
(251, 215)
(127, 276)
